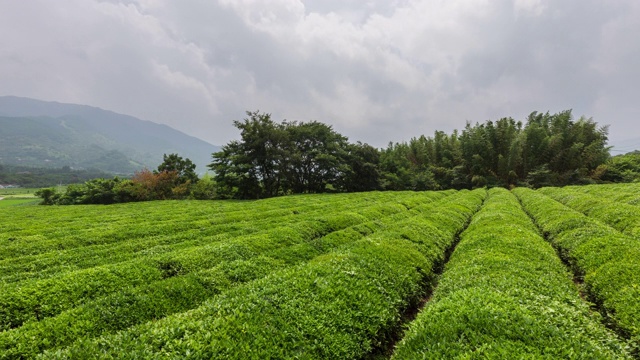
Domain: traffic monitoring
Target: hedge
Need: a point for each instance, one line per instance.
(505, 294)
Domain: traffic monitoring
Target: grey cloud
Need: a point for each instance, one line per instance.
(378, 71)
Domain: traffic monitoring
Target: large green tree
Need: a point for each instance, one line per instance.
(362, 168)
(184, 168)
(315, 156)
(252, 167)
(273, 158)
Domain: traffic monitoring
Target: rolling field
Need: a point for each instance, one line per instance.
(546, 274)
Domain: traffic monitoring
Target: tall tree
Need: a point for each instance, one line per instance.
(363, 168)
(184, 168)
(252, 167)
(315, 154)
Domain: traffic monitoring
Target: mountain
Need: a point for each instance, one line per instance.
(50, 134)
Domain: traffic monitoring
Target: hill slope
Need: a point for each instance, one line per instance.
(40, 133)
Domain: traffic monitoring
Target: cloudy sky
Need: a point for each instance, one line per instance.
(377, 71)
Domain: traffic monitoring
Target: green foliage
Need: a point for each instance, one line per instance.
(362, 172)
(48, 195)
(291, 158)
(17, 202)
(547, 150)
(316, 157)
(622, 193)
(346, 303)
(621, 168)
(405, 166)
(505, 294)
(184, 168)
(182, 276)
(205, 189)
(605, 259)
(33, 295)
(252, 168)
(623, 217)
(316, 276)
(77, 245)
(174, 179)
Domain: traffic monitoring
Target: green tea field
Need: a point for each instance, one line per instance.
(552, 273)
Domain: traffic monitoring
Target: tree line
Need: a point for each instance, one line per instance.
(175, 178)
(548, 150)
(274, 159)
(27, 176)
(289, 157)
(623, 168)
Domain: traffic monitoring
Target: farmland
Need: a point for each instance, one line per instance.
(549, 273)
(17, 196)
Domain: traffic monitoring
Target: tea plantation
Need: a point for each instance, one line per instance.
(524, 274)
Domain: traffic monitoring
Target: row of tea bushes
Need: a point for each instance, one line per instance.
(344, 304)
(505, 294)
(38, 299)
(50, 264)
(628, 193)
(55, 263)
(607, 260)
(32, 236)
(623, 217)
(136, 305)
(32, 232)
(201, 272)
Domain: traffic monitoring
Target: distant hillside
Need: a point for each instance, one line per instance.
(50, 134)
(32, 177)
